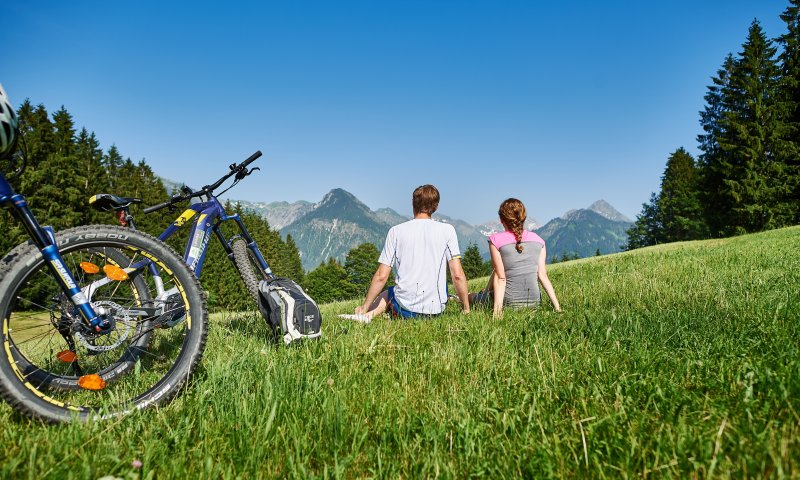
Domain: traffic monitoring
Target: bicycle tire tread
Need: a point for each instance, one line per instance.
(180, 381)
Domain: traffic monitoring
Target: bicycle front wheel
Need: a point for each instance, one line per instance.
(53, 368)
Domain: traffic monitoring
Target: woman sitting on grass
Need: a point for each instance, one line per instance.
(518, 261)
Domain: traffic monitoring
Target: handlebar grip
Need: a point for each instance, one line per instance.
(251, 158)
(156, 207)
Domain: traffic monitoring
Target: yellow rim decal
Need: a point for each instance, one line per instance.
(177, 285)
(18, 373)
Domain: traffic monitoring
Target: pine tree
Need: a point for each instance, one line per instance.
(293, 264)
(328, 282)
(112, 161)
(64, 135)
(647, 228)
(473, 264)
(790, 83)
(679, 209)
(755, 141)
(360, 265)
(138, 180)
(717, 204)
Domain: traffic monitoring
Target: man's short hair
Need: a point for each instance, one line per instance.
(425, 199)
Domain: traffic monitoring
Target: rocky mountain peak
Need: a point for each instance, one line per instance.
(338, 195)
(606, 210)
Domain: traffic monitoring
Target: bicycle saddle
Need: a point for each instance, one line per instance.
(106, 201)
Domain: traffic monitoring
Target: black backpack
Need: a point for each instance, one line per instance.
(289, 311)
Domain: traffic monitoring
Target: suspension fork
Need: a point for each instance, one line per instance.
(44, 239)
(245, 234)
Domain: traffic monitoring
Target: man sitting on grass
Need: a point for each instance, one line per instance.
(418, 249)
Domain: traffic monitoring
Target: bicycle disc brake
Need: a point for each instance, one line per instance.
(121, 324)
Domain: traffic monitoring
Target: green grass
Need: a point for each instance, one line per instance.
(676, 361)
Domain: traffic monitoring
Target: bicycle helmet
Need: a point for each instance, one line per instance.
(9, 125)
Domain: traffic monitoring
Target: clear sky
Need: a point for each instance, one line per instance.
(556, 103)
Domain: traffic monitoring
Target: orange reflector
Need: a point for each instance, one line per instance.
(115, 273)
(67, 356)
(92, 382)
(89, 268)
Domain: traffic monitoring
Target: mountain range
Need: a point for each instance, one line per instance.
(585, 231)
(340, 221)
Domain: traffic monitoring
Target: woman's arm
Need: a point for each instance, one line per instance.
(498, 280)
(545, 280)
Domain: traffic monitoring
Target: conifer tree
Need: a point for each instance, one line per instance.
(473, 264)
(755, 141)
(293, 265)
(646, 230)
(790, 68)
(360, 265)
(89, 155)
(328, 282)
(679, 203)
(64, 134)
(112, 161)
(717, 204)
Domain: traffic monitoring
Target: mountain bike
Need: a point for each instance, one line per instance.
(88, 319)
(206, 217)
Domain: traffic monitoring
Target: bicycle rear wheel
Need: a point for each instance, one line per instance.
(54, 369)
(248, 266)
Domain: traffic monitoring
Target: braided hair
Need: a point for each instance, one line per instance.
(512, 216)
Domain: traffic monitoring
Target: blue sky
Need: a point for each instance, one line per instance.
(556, 104)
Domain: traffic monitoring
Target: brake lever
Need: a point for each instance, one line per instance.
(245, 172)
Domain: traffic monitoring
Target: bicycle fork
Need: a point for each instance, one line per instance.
(44, 239)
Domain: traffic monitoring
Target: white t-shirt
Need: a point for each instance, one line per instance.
(419, 250)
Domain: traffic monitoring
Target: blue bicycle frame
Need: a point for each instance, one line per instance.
(210, 215)
(206, 217)
(44, 239)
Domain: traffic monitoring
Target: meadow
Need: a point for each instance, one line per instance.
(678, 361)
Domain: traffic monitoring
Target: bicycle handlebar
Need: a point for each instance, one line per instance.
(157, 207)
(252, 158)
(235, 169)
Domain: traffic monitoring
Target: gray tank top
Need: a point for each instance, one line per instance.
(522, 268)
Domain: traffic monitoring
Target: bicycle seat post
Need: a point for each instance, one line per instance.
(125, 218)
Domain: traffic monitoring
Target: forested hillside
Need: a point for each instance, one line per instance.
(65, 166)
(747, 177)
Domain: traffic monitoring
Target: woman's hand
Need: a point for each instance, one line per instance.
(361, 309)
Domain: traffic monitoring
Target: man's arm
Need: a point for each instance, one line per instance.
(460, 282)
(375, 287)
